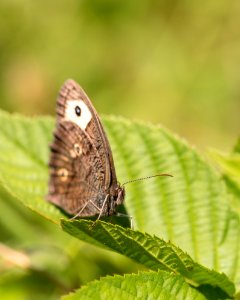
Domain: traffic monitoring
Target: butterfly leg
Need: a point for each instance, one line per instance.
(85, 205)
(95, 205)
(102, 208)
(99, 209)
(81, 210)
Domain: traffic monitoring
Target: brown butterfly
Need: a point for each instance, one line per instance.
(83, 180)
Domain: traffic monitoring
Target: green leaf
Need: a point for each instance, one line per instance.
(145, 285)
(23, 161)
(230, 168)
(152, 252)
(192, 209)
(229, 163)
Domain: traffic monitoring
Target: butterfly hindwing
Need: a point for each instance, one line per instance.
(76, 171)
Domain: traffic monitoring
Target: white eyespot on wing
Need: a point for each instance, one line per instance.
(77, 112)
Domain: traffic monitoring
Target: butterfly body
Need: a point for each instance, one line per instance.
(82, 174)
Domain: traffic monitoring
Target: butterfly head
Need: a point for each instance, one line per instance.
(117, 198)
(120, 192)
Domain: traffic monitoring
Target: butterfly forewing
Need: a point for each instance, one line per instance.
(81, 164)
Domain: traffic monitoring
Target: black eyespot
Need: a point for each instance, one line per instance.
(78, 111)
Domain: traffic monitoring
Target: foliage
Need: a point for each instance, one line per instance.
(192, 210)
(157, 285)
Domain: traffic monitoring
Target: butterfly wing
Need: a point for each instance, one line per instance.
(81, 164)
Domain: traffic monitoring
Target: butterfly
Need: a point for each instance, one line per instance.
(83, 179)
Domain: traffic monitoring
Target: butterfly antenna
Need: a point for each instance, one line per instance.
(147, 177)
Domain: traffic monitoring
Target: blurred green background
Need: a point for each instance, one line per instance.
(170, 62)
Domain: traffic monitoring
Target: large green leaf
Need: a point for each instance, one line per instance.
(229, 165)
(23, 161)
(150, 285)
(191, 209)
(152, 252)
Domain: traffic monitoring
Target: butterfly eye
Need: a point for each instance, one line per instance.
(78, 111)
